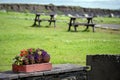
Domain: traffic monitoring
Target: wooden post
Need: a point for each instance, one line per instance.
(89, 20)
(52, 19)
(72, 21)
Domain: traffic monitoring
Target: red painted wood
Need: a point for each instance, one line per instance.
(32, 67)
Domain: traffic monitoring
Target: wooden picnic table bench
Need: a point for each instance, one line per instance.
(39, 20)
(58, 72)
(76, 24)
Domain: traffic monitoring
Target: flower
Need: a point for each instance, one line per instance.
(32, 56)
(23, 53)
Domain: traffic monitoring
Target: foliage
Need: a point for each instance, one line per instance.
(31, 56)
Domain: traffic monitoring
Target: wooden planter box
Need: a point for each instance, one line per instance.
(32, 67)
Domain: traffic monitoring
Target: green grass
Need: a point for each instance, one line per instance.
(107, 20)
(16, 34)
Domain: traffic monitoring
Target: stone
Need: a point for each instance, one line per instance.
(35, 8)
(58, 72)
(104, 67)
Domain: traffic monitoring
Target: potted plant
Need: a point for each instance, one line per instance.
(32, 60)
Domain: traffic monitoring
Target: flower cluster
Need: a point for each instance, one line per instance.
(32, 56)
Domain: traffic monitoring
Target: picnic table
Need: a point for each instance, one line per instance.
(58, 72)
(39, 20)
(75, 24)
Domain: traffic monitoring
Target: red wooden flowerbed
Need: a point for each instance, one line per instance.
(32, 67)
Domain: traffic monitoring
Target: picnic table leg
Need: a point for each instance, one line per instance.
(39, 23)
(75, 27)
(50, 23)
(51, 20)
(89, 20)
(69, 27)
(35, 21)
(86, 28)
(93, 28)
(70, 24)
(72, 21)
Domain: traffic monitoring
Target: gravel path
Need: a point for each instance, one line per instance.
(109, 26)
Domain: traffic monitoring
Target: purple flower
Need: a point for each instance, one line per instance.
(44, 53)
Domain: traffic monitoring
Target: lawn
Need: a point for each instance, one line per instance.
(17, 33)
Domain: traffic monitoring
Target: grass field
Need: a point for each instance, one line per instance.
(16, 34)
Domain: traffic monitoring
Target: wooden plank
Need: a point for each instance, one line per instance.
(85, 24)
(57, 69)
(63, 68)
